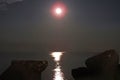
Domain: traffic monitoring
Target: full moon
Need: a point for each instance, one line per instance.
(58, 11)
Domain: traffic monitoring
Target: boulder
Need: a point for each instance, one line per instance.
(24, 70)
(100, 67)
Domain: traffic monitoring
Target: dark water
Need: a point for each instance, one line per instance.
(69, 61)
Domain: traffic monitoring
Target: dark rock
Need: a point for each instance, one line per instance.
(83, 72)
(24, 70)
(107, 58)
(103, 66)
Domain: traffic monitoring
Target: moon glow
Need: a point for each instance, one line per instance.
(58, 10)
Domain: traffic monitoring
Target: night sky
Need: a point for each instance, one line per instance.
(29, 31)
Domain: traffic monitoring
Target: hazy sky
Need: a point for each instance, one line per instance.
(11, 1)
(89, 25)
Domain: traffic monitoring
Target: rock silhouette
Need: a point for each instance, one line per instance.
(24, 70)
(103, 66)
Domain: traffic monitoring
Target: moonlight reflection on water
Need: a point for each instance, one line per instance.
(58, 74)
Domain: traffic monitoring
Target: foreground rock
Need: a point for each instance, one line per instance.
(103, 66)
(24, 70)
